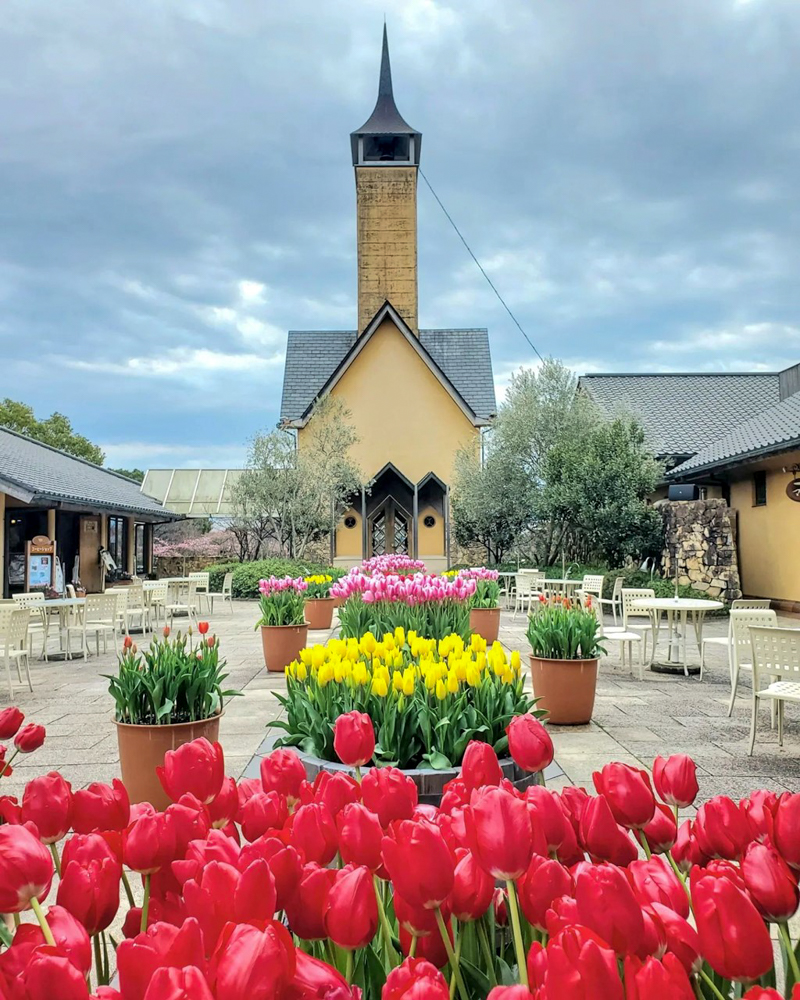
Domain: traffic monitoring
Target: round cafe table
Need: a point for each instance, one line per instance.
(679, 613)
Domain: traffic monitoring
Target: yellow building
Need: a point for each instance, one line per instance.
(416, 396)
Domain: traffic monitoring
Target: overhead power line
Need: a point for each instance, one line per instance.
(480, 267)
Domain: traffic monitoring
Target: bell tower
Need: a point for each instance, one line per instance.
(386, 159)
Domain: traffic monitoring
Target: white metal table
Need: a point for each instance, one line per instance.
(677, 611)
(63, 605)
(564, 585)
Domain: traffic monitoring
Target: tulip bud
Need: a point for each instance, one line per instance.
(26, 869)
(529, 743)
(29, 738)
(351, 910)
(480, 766)
(47, 802)
(770, 882)
(628, 792)
(354, 738)
(675, 779)
(10, 720)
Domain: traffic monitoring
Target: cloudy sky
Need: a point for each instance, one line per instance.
(176, 192)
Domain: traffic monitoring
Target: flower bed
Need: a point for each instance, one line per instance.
(392, 563)
(546, 896)
(432, 606)
(427, 699)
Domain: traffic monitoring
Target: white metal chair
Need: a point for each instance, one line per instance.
(524, 591)
(615, 601)
(592, 584)
(740, 604)
(226, 594)
(137, 613)
(203, 588)
(741, 646)
(156, 597)
(121, 595)
(625, 639)
(184, 603)
(99, 617)
(14, 624)
(630, 614)
(39, 621)
(776, 654)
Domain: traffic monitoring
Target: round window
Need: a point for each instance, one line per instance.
(349, 521)
(429, 521)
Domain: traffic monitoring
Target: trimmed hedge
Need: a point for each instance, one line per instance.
(246, 575)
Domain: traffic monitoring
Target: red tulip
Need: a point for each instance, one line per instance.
(544, 881)
(29, 738)
(480, 766)
(654, 881)
(217, 846)
(787, 828)
(606, 905)
(686, 851)
(547, 813)
(734, 940)
(662, 830)
(628, 792)
(430, 947)
(681, 938)
(770, 882)
(529, 743)
(284, 861)
(580, 965)
(202, 627)
(573, 801)
(767, 993)
(354, 738)
(472, 889)
(500, 906)
(255, 899)
(499, 832)
(351, 910)
(10, 721)
(149, 843)
(225, 804)
(760, 810)
(100, 807)
(85, 847)
(197, 768)
(335, 789)
(305, 909)
(415, 979)
(602, 837)
(721, 828)
(161, 946)
(252, 963)
(263, 813)
(90, 891)
(360, 836)
(70, 936)
(50, 974)
(651, 978)
(419, 863)
(282, 771)
(26, 869)
(314, 979)
(47, 803)
(178, 984)
(210, 899)
(675, 779)
(314, 833)
(389, 793)
(510, 993)
(5, 770)
(190, 821)
(455, 795)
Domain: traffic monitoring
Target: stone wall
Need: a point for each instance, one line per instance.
(700, 537)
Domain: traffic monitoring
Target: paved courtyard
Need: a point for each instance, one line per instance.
(633, 720)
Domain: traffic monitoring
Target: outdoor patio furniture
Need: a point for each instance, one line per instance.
(14, 623)
(226, 594)
(592, 584)
(740, 604)
(99, 617)
(776, 654)
(679, 612)
(741, 646)
(524, 591)
(625, 640)
(155, 594)
(633, 619)
(185, 603)
(121, 595)
(203, 588)
(137, 613)
(615, 601)
(39, 624)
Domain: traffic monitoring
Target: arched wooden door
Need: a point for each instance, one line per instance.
(389, 530)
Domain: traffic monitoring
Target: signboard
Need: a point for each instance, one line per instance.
(793, 490)
(40, 562)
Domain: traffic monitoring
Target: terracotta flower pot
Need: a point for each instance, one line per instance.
(142, 750)
(319, 612)
(565, 689)
(282, 644)
(486, 623)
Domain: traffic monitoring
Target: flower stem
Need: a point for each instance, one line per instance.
(386, 931)
(451, 958)
(459, 942)
(56, 861)
(710, 982)
(645, 846)
(128, 892)
(98, 961)
(48, 934)
(783, 930)
(348, 969)
(146, 903)
(412, 950)
(513, 912)
(7, 764)
(488, 954)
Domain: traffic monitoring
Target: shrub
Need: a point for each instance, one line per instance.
(246, 575)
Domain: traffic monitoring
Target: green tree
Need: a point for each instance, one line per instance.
(55, 430)
(136, 474)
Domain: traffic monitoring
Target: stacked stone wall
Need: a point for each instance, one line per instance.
(700, 545)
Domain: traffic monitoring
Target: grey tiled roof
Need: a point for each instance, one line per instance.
(312, 356)
(52, 475)
(682, 413)
(775, 429)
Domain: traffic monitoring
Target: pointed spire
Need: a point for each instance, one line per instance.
(385, 118)
(385, 83)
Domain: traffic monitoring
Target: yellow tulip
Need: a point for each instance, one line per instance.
(360, 674)
(473, 675)
(400, 636)
(515, 661)
(409, 682)
(318, 656)
(305, 656)
(441, 690)
(452, 682)
(368, 643)
(379, 687)
(397, 681)
(325, 675)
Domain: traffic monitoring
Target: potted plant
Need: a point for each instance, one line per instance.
(165, 696)
(484, 605)
(319, 603)
(284, 629)
(565, 644)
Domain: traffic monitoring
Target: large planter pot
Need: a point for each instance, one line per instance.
(485, 622)
(564, 689)
(282, 644)
(142, 750)
(319, 612)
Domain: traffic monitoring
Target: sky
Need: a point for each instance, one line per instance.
(176, 192)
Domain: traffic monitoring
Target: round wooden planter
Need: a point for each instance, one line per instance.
(142, 750)
(319, 612)
(564, 689)
(282, 644)
(486, 623)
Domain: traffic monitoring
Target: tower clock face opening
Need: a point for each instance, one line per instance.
(378, 148)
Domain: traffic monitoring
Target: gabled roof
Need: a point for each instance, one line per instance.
(775, 429)
(315, 359)
(36, 473)
(682, 413)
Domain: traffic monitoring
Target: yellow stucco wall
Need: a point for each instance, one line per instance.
(769, 536)
(348, 540)
(431, 540)
(386, 221)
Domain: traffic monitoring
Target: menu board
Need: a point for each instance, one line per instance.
(40, 558)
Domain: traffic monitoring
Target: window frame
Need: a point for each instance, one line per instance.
(118, 550)
(760, 488)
